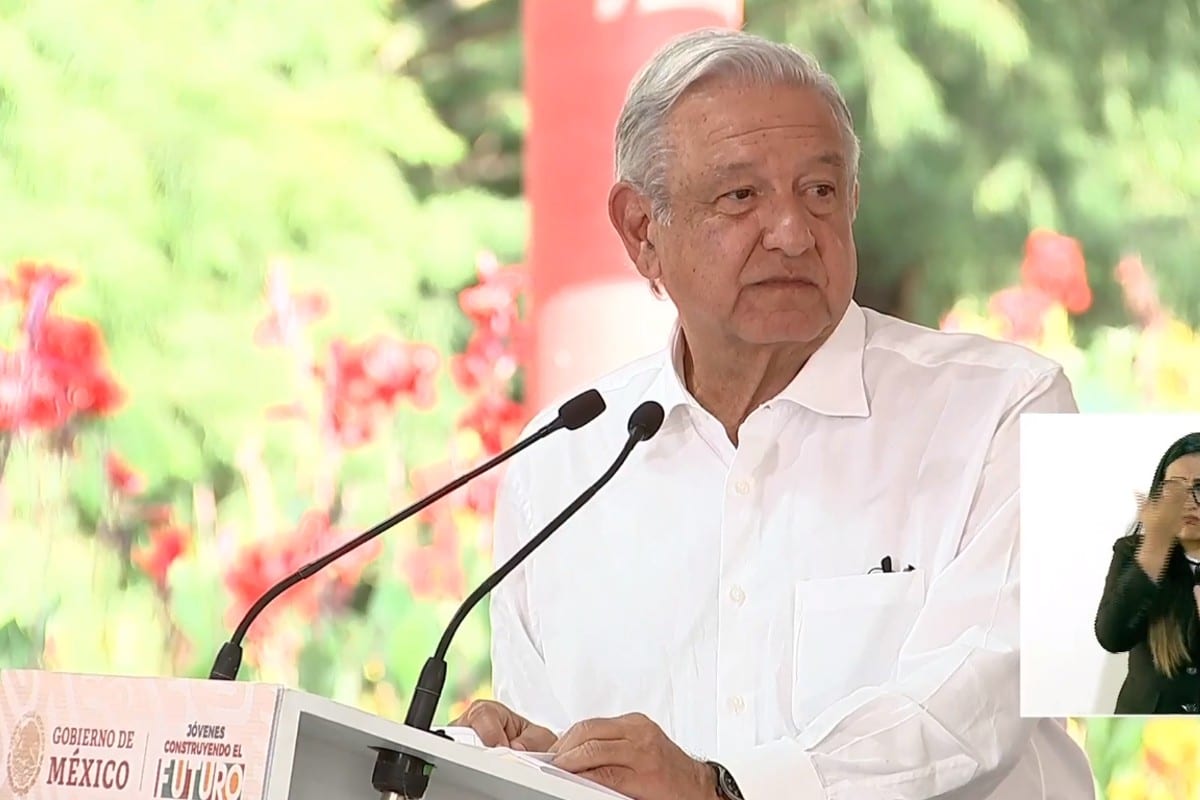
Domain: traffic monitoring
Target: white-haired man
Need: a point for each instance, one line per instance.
(805, 586)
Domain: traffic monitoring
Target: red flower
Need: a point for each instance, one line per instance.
(31, 279)
(495, 418)
(61, 371)
(494, 302)
(364, 382)
(1054, 264)
(167, 542)
(61, 374)
(72, 352)
(493, 307)
(351, 404)
(487, 360)
(1141, 296)
(30, 397)
(263, 563)
(402, 369)
(1023, 311)
(123, 478)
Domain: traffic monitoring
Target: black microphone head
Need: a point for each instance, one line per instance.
(645, 420)
(581, 409)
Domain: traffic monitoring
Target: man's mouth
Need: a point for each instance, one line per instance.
(783, 282)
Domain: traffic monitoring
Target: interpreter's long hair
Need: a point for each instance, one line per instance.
(1168, 647)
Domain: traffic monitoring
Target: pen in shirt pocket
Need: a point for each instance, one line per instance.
(885, 565)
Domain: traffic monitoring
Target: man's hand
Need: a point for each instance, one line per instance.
(633, 756)
(499, 726)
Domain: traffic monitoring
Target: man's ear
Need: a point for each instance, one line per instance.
(854, 201)
(629, 213)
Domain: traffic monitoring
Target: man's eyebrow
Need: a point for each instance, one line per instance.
(829, 158)
(733, 168)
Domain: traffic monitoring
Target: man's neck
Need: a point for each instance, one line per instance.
(730, 381)
(1191, 550)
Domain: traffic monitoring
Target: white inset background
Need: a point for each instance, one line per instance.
(1079, 477)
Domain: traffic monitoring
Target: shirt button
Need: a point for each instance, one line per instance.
(737, 595)
(742, 487)
(737, 704)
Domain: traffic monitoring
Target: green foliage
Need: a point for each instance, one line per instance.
(981, 119)
(172, 159)
(1111, 744)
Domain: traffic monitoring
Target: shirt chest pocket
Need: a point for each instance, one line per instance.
(848, 635)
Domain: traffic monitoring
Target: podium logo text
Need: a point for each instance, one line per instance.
(190, 779)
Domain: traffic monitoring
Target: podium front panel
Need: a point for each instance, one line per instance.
(94, 737)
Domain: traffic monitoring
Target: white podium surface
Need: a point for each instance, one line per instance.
(91, 736)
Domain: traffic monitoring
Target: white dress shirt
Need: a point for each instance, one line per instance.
(725, 591)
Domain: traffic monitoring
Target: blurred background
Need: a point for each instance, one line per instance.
(270, 270)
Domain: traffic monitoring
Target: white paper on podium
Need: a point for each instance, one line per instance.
(539, 761)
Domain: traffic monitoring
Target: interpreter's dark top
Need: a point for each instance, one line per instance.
(1130, 602)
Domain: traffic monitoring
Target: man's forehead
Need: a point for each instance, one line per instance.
(723, 107)
(732, 129)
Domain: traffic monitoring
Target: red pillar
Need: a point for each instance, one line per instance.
(591, 310)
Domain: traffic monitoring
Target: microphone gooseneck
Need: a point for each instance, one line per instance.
(572, 415)
(408, 776)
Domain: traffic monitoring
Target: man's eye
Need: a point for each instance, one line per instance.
(739, 194)
(824, 191)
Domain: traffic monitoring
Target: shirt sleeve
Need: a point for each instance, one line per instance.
(950, 720)
(520, 679)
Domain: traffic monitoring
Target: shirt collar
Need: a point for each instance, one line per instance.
(831, 383)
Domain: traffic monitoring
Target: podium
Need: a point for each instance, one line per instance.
(93, 736)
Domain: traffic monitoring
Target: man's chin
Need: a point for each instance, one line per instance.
(788, 332)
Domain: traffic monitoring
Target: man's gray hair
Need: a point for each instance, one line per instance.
(641, 145)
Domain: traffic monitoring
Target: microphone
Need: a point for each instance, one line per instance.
(402, 775)
(572, 415)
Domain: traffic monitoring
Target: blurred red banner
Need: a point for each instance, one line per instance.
(591, 310)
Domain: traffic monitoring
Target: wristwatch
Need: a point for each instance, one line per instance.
(727, 788)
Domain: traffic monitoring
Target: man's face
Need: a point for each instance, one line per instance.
(759, 249)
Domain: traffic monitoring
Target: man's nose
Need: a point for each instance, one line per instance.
(787, 227)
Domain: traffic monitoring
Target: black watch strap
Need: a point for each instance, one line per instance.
(727, 788)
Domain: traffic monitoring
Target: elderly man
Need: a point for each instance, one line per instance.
(806, 585)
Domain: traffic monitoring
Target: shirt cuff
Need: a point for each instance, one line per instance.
(774, 770)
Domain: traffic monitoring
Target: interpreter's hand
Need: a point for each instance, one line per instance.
(1162, 516)
(632, 755)
(499, 726)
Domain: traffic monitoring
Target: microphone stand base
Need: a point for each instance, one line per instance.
(401, 776)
